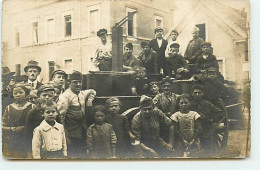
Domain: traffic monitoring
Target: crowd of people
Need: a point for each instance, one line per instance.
(56, 120)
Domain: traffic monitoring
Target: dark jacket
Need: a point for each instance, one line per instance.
(160, 52)
(149, 61)
(176, 62)
(203, 64)
(193, 50)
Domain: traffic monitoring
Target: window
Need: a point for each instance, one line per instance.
(131, 23)
(50, 30)
(94, 21)
(35, 33)
(222, 65)
(17, 36)
(68, 27)
(202, 28)
(68, 66)
(158, 21)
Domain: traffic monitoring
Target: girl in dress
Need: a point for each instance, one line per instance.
(13, 122)
(187, 127)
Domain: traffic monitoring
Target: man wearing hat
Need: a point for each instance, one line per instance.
(206, 59)
(59, 79)
(194, 46)
(159, 46)
(73, 106)
(129, 60)
(103, 55)
(147, 125)
(32, 71)
(177, 66)
(148, 59)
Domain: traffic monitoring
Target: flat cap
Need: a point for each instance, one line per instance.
(206, 44)
(61, 72)
(45, 87)
(144, 44)
(146, 101)
(76, 75)
(158, 29)
(129, 45)
(101, 31)
(175, 45)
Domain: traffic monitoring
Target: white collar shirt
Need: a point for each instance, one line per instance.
(33, 83)
(48, 138)
(159, 41)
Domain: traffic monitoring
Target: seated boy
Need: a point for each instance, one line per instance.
(140, 85)
(177, 65)
(206, 60)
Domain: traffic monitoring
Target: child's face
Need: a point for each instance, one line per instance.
(50, 113)
(166, 87)
(212, 75)
(19, 94)
(33, 99)
(99, 118)
(184, 104)
(197, 94)
(205, 49)
(154, 89)
(46, 95)
(174, 36)
(128, 51)
(114, 107)
(141, 74)
(59, 79)
(147, 111)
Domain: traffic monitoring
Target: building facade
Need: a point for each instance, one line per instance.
(62, 33)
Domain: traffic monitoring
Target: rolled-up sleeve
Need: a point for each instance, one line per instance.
(63, 105)
(36, 144)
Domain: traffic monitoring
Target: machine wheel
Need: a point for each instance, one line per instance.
(222, 129)
(130, 113)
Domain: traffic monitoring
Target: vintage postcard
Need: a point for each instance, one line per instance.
(125, 79)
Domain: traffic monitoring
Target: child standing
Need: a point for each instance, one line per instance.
(13, 121)
(101, 138)
(120, 126)
(187, 126)
(49, 140)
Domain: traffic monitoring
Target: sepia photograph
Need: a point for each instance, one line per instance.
(125, 79)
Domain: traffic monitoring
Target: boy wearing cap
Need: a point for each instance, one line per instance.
(129, 60)
(73, 105)
(32, 71)
(34, 117)
(194, 46)
(103, 55)
(148, 59)
(147, 125)
(206, 60)
(177, 65)
(59, 79)
(159, 46)
(173, 39)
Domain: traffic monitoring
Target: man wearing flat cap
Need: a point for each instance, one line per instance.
(73, 105)
(194, 46)
(32, 71)
(129, 60)
(148, 59)
(103, 55)
(147, 125)
(177, 65)
(206, 59)
(59, 79)
(159, 46)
